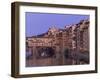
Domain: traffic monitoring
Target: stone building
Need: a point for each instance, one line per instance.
(66, 46)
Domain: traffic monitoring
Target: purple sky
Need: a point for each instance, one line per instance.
(37, 23)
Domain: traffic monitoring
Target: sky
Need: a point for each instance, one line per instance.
(38, 23)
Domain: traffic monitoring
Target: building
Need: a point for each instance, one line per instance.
(66, 46)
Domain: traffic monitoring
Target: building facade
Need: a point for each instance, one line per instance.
(66, 46)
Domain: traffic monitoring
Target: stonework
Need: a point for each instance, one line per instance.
(68, 46)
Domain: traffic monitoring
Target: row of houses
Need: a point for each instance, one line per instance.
(67, 46)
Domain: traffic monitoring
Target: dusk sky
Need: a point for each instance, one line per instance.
(37, 23)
